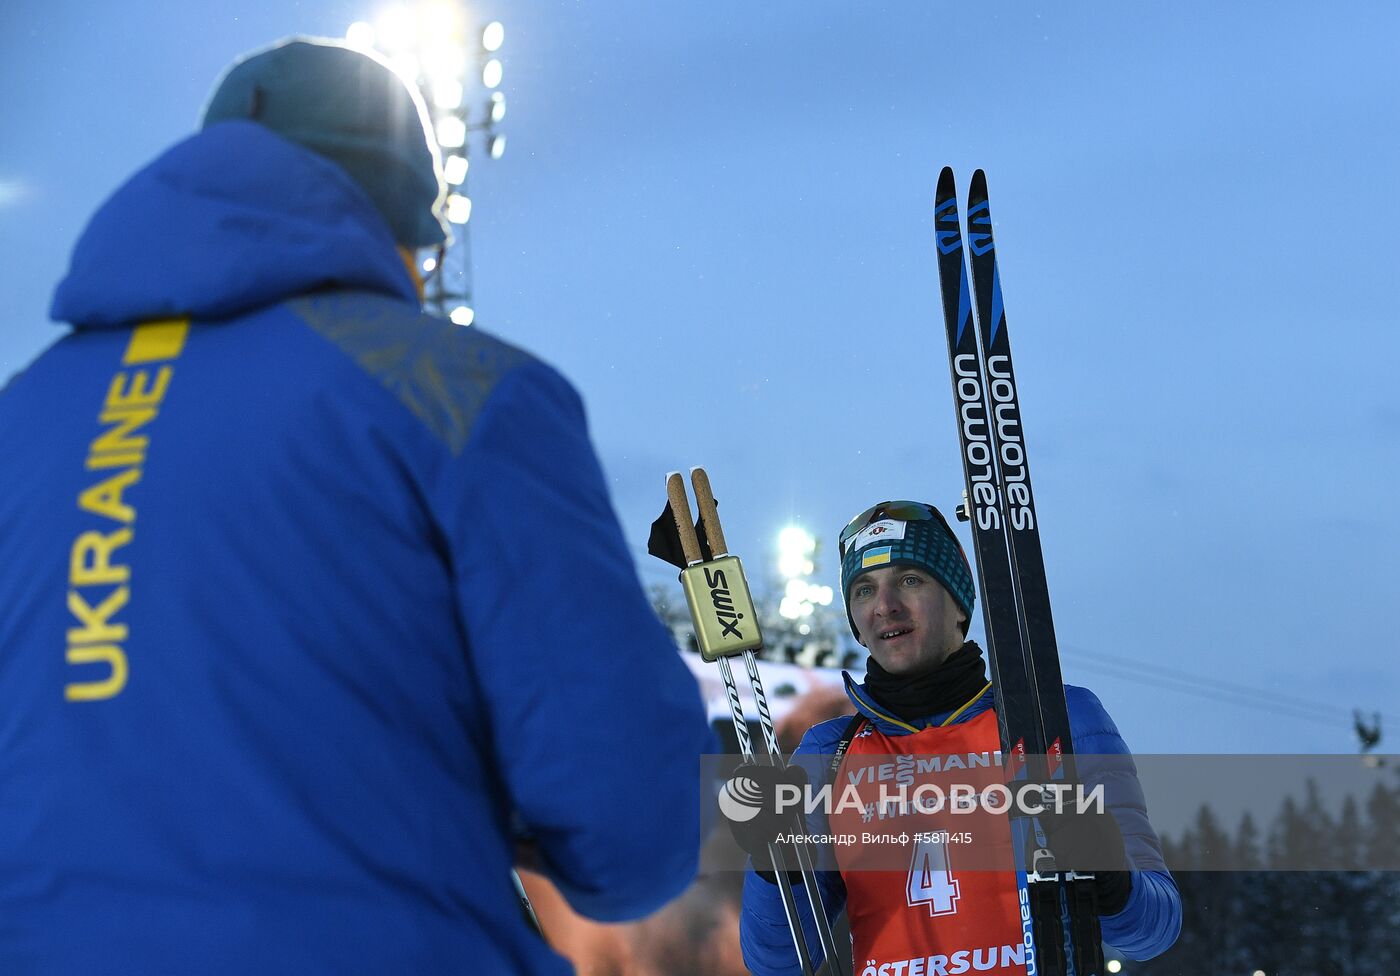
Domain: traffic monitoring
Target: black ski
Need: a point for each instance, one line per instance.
(1016, 607)
(1022, 738)
(1027, 560)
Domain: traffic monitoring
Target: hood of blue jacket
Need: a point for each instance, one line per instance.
(230, 219)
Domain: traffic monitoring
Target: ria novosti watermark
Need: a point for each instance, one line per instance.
(1210, 812)
(958, 799)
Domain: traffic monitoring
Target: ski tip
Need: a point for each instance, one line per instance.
(978, 189)
(947, 186)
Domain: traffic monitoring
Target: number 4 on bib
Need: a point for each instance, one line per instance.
(930, 882)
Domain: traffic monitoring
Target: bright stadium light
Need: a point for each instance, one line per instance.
(360, 35)
(459, 208)
(454, 170)
(438, 19)
(429, 265)
(794, 539)
(447, 93)
(451, 132)
(491, 73)
(463, 315)
(1114, 966)
(498, 146)
(498, 106)
(443, 59)
(394, 29)
(493, 36)
(794, 548)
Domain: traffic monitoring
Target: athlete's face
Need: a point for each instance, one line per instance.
(906, 618)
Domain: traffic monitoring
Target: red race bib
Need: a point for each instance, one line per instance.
(930, 877)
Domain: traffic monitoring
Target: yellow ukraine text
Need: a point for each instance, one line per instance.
(96, 641)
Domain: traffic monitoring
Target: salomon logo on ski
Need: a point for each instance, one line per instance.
(976, 443)
(1014, 481)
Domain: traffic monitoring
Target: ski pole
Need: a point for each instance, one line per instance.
(720, 636)
(526, 909)
(709, 517)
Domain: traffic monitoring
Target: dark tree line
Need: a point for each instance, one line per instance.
(1301, 896)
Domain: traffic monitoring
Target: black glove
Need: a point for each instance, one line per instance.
(1091, 843)
(754, 787)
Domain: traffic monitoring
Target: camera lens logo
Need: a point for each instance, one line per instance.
(740, 799)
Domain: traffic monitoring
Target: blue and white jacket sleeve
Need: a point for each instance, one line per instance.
(597, 725)
(1151, 921)
(764, 936)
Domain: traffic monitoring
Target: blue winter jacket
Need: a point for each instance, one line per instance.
(1147, 925)
(304, 604)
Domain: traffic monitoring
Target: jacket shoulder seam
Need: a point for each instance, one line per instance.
(442, 373)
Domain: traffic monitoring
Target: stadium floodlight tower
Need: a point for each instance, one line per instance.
(426, 42)
(800, 632)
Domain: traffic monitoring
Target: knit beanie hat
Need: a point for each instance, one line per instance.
(350, 107)
(921, 538)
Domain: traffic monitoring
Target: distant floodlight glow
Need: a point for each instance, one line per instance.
(429, 265)
(805, 629)
(462, 315)
(789, 608)
(394, 28)
(447, 93)
(454, 170)
(491, 74)
(360, 35)
(498, 146)
(498, 106)
(459, 208)
(796, 589)
(493, 36)
(439, 19)
(443, 59)
(794, 539)
(451, 132)
(1114, 966)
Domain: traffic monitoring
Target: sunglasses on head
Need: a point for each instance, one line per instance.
(904, 511)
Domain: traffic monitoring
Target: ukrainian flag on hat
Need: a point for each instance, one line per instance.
(877, 556)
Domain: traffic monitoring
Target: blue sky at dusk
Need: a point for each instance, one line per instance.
(716, 219)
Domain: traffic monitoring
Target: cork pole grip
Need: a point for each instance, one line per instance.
(709, 514)
(680, 509)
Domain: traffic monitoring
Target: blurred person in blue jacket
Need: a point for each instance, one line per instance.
(309, 600)
(909, 597)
